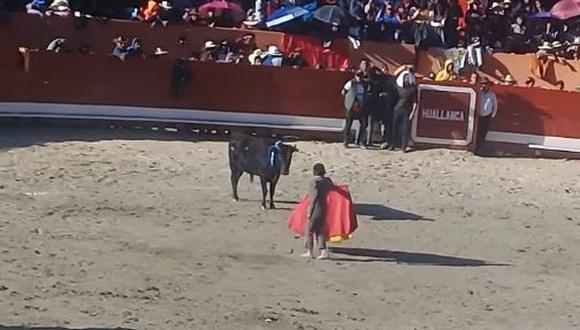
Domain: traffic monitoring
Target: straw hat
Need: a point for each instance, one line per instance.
(165, 5)
(509, 79)
(495, 5)
(545, 46)
(209, 44)
(272, 50)
(254, 55)
(159, 51)
(556, 44)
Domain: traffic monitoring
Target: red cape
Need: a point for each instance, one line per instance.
(340, 220)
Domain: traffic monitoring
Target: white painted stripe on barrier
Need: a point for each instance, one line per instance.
(112, 112)
(535, 141)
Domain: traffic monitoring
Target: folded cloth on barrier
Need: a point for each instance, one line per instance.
(340, 220)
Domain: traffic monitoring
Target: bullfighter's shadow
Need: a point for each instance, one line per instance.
(384, 213)
(410, 258)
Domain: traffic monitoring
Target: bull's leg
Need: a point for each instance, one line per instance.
(272, 192)
(264, 185)
(235, 178)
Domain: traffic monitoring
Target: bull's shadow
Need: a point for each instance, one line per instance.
(384, 213)
(410, 258)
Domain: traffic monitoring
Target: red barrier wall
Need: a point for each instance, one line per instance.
(104, 80)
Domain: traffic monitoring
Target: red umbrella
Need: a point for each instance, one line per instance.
(223, 6)
(566, 9)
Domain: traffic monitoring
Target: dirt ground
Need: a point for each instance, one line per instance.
(134, 230)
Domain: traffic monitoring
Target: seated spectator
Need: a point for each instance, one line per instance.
(167, 13)
(191, 17)
(573, 51)
(295, 59)
(208, 53)
(516, 41)
(37, 7)
(59, 8)
(246, 44)
(390, 22)
(509, 80)
(150, 12)
(272, 57)
(120, 48)
(255, 58)
(224, 52)
(134, 48)
(447, 73)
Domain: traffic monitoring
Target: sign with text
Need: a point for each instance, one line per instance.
(445, 116)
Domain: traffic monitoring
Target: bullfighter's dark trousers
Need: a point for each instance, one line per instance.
(315, 227)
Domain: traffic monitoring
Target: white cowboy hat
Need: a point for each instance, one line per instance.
(509, 79)
(159, 51)
(209, 44)
(273, 50)
(495, 5)
(254, 55)
(165, 5)
(545, 46)
(507, 1)
(557, 44)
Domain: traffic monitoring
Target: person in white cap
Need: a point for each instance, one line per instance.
(487, 111)
(208, 53)
(272, 57)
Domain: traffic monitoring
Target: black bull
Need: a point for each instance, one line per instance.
(266, 158)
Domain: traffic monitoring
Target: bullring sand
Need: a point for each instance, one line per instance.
(134, 230)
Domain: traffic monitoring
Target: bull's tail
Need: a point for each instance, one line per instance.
(251, 178)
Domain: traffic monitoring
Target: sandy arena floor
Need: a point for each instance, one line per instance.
(108, 229)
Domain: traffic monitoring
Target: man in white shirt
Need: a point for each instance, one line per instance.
(354, 93)
(487, 111)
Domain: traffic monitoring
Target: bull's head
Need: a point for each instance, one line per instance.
(285, 157)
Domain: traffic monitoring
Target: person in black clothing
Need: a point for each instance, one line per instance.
(317, 212)
(407, 90)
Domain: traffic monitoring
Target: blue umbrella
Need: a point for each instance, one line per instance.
(287, 14)
(542, 15)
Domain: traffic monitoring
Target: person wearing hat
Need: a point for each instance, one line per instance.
(509, 80)
(573, 50)
(59, 8)
(487, 111)
(208, 53)
(37, 7)
(255, 58)
(120, 48)
(405, 106)
(272, 57)
(539, 61)
(355, 97)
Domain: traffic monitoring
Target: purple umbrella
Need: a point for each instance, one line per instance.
(566, 9)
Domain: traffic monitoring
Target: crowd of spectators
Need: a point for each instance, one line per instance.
(517, 26)
(240, 51)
